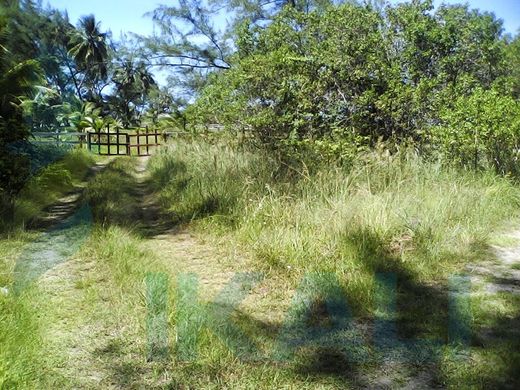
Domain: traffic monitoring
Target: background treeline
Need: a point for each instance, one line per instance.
(444, 79)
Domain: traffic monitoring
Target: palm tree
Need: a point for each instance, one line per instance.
(17, 81)
(133, 82)
(90, 51)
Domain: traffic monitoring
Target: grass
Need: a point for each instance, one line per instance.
(22, 362)
(114, 293)
(50, 183)
(115, 297)
(493, 358)
(20, 354)
(386, 214)
(28, 358)
(112, 193)
(418, 220)
(89, 324)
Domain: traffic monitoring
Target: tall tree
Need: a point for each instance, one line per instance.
(133, 83)
(89, 48)
(18, 76)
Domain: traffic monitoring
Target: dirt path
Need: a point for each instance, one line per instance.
(179, 249)
(66, 205)
(72, 326)
(86, 337)
(86, 341)
(503, 273)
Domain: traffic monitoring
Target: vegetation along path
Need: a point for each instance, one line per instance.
(91, 296)
(334, 203)
(102, 318)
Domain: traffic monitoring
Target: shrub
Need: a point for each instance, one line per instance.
(481, 130)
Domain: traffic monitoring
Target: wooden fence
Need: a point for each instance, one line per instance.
(117, 142)
(59, 138)
(138, 142)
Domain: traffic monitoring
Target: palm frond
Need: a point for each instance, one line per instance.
(21, 79)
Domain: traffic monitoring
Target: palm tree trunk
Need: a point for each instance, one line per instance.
(73, 75)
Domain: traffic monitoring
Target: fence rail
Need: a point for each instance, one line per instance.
(117, 143)
(110, 142)
(59, 138)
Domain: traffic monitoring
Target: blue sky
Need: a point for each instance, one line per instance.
(115, 15)
(127, 15)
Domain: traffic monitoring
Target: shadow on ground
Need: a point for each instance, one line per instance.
(414, 329)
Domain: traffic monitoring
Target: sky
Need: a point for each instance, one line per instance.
(115, 15)
(127, 15)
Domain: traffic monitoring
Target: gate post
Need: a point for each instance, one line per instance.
(147, 142)
(108, 139)
(117, 140)
(138, 144)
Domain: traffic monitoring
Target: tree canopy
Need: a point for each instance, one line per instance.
(357, 74)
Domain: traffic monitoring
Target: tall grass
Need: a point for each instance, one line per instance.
(419, 220)
(22, 363)
(385, 213)
(50, 183)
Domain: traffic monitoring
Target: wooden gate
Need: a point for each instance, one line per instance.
(144, 142)
(109, 143)
(117, 143)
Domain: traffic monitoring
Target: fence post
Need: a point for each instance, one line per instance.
(108, 139)
(117, 139)
(138, 144)
(99, 141)
(147, 142)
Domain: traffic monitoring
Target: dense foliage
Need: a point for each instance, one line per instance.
(18, 75)
(55, 76)
(356, 74)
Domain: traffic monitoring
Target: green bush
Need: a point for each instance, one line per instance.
(481, 130)
(356, 74)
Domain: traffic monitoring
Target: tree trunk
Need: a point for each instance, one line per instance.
(6, 209)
